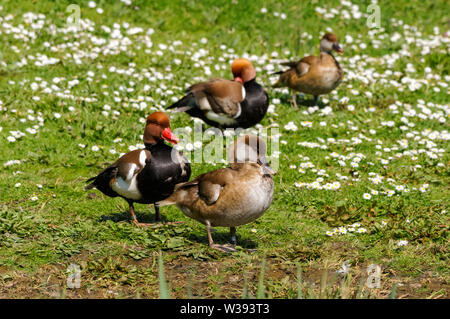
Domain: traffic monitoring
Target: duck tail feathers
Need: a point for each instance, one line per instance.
(184, 104)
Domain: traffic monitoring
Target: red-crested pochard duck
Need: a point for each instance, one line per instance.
(315, 75)
(148, 175)
(225, 103)
(230, 196)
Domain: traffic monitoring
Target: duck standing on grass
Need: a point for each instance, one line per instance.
(315, 75)
(225, 103)
(148, 175)
(230, 196)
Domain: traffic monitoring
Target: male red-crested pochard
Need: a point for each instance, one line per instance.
(147, 175)
(230, 196)
(225, 103)
(315, 75)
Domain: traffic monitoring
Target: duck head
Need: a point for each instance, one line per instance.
(250, 149)
(329, 42)
(157, 128)
(243, 70)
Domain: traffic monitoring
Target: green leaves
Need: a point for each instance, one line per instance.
(15, 222)
(340, 214)
(175, 242)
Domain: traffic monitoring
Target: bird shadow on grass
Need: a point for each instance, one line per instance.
(301, 101)
(146, 218)
(221, 237)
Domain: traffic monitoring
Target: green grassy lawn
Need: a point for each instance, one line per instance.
(363, 178)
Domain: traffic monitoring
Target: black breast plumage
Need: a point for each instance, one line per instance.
(161, 173)
(255, 105)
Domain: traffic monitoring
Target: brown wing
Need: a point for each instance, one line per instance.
(125, 163)
(222, 96)
(210, 184)
(302, 66)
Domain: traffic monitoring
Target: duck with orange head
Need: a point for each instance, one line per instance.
(147, 175)
(240, 102)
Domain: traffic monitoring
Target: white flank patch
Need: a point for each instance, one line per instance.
(204, 104)
(238, 112)
(142, 158)
(127, 189)
(131, 172)
(220, 118)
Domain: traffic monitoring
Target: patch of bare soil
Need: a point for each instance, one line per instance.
(223, 278)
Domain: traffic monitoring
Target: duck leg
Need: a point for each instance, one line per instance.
(158, 218)
(224, 248)
(208, 231)
(233, 235)
(157, 213)
(316, 100)
(133, 216)
(294, 99)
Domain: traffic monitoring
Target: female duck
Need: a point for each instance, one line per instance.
(231, 196)
(314, 75)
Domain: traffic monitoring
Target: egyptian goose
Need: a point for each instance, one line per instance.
(225, 103)
(147, 175)
(230, 196)
(314, 75)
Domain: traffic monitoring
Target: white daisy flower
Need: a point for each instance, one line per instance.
(367, 196)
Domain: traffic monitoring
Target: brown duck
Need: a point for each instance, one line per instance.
(230, 196)
(315, 75)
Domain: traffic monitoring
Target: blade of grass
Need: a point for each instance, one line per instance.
(299, 282)
(163, 290)
(189, 285)
(323, 284)
(345, 286)
(260, 294)
(360, 288)
(331, 284)
(245, 289)
(393, 292)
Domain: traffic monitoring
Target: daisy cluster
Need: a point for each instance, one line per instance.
(354, 228)
(141, 90)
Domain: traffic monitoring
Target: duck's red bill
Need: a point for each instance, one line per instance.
(238, 79)
(337, 48)
(168, 136)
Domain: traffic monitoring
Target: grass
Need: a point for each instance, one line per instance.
(48, 221)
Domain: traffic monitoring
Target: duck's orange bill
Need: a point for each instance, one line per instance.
(168, 135)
